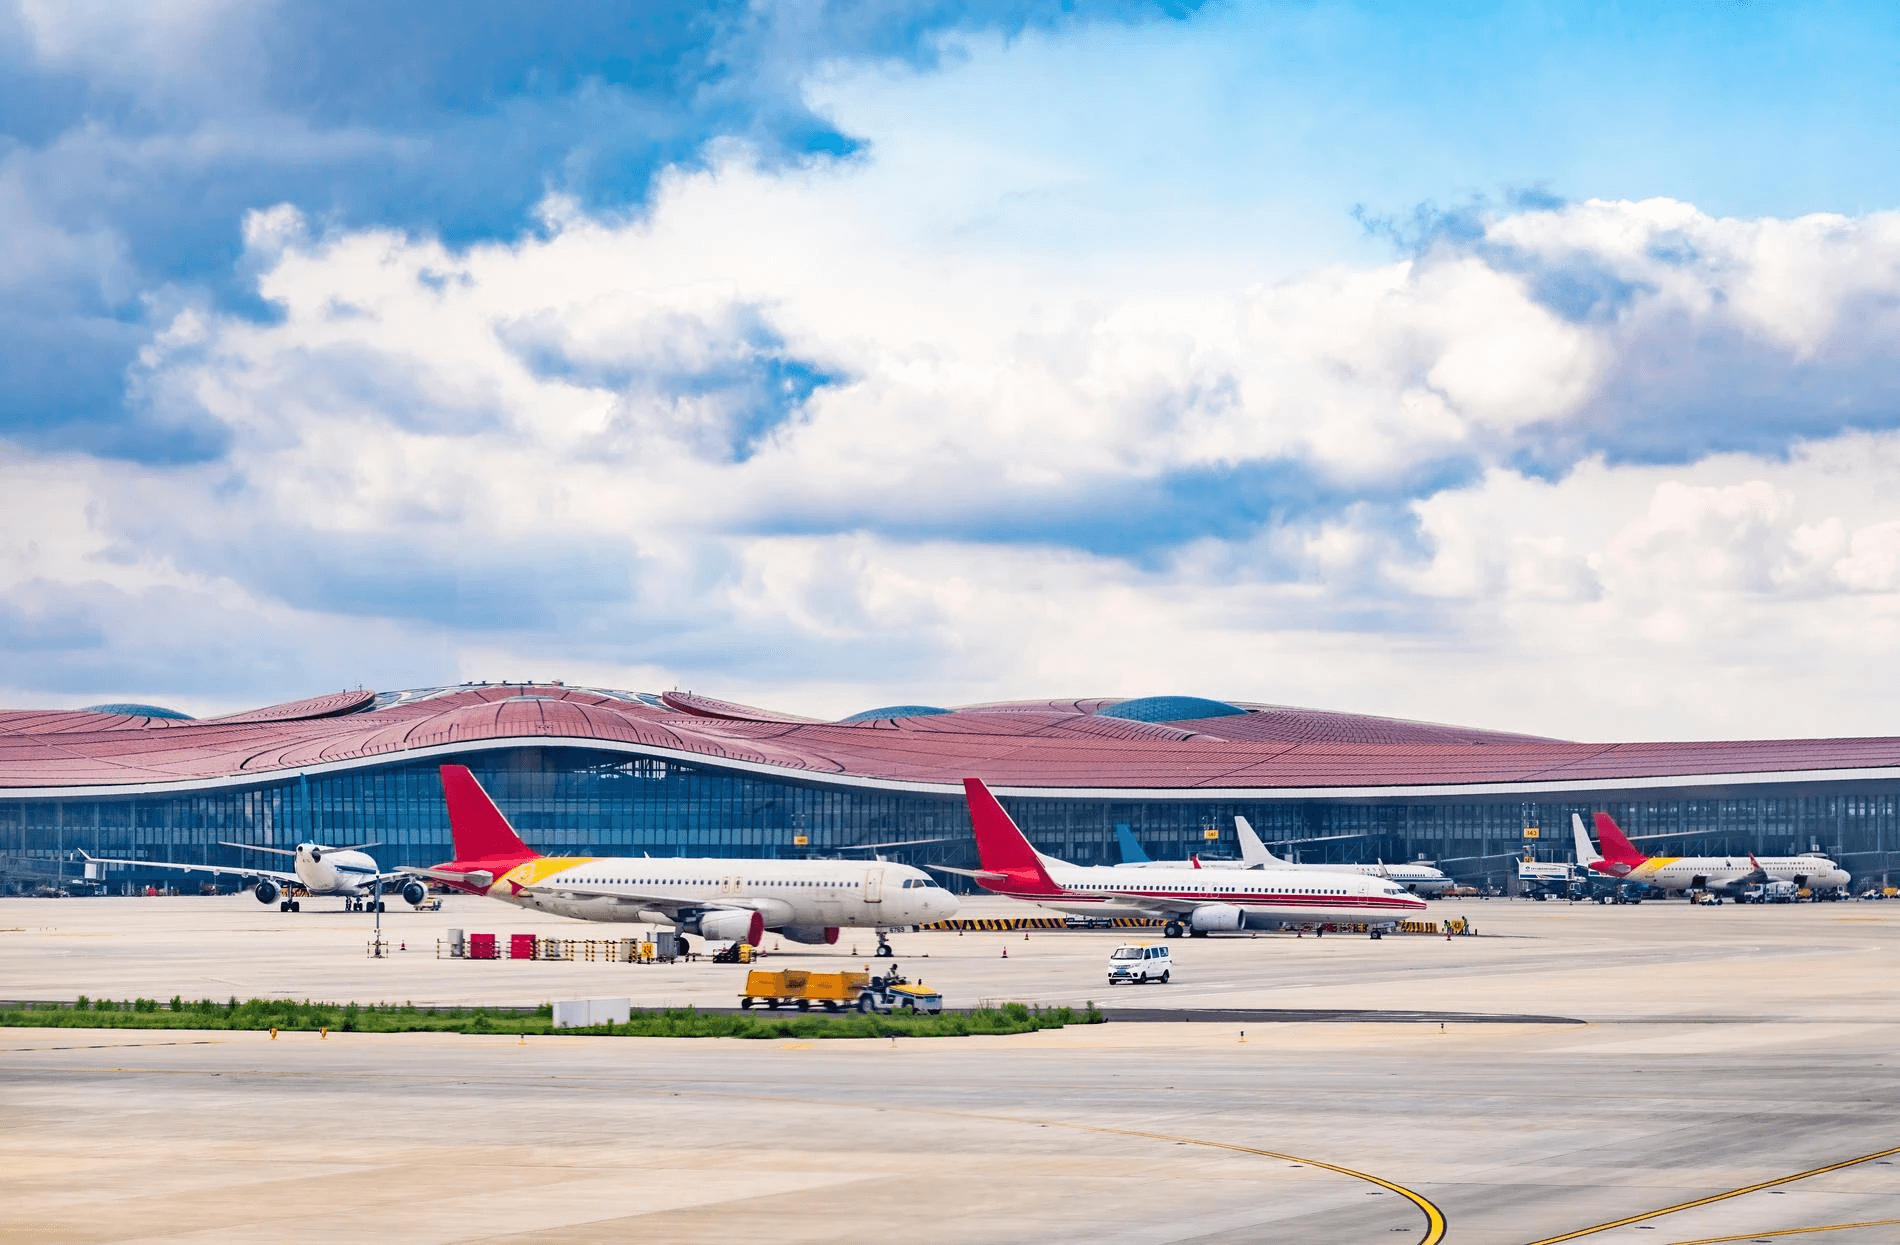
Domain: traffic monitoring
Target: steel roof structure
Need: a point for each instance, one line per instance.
(1057, 747)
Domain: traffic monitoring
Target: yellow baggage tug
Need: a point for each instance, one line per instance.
(886, 993)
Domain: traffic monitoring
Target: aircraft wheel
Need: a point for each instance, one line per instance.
(283, 905)
(295, 906)
(884, 950)
(1171, 930)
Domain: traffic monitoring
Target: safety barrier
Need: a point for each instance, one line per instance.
(1005, 924)
(531, 947)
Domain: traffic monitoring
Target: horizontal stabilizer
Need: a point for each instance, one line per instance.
(969, 873)
(483, 878)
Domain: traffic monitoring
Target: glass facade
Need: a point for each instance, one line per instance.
(593, 802)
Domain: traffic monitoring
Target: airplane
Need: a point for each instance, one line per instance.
(1191, 900)
(1620, 859)
(1418, 878)
(721, 898)
(348, 872)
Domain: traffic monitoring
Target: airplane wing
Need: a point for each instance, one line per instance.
(1756, 876)
(276, 875)
(291, 851)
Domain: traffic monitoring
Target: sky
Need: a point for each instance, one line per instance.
(1518, 365)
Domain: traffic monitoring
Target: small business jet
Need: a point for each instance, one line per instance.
(1419, 879)
(1191, 900)
(348, 872)
(1621, 860)
(720, 898)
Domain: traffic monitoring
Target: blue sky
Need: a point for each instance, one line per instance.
(1386, 357)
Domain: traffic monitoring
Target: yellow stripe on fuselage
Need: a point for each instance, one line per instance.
(1651, 867)
(529, 872)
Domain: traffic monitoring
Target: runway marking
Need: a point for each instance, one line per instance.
(1752, 1236)
(1716, 1197)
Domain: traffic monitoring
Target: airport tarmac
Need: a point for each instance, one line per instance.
(1719, 1049)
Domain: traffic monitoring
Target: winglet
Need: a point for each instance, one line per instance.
(1002, 848)
(1617, 849)
(482, 835)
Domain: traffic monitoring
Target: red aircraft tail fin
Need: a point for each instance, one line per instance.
(480, 832)
(1002, 848)
(1617, 849)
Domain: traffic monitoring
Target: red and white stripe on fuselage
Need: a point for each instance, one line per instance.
(1014, 868)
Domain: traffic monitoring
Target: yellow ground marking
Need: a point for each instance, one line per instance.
(1752, 1236)
(1434, 1218)
(1435, 1224)
(1716, 1197)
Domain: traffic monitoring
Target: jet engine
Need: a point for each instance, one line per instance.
(268, 891)
(1210, 917)
(413, 893)
(734, 924)
(823, 934)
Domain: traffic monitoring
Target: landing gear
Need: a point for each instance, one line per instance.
(1171, 930)
(283, 905)
(883, 951)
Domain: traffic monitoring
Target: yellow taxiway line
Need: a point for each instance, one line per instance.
(1717, 1197)
(1756, 1236)
(1434, 1218)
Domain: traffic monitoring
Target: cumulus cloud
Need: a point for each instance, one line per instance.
(771, 425)
(815, 432)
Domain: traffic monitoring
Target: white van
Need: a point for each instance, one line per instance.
(1139, 962)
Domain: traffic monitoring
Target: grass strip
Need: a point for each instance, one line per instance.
(286, 1014)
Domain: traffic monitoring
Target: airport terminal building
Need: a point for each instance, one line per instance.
(592, 771)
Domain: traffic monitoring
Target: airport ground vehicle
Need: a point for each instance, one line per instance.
(1140, 963)
(1769, 892)
(801, 989)
(1542, 879)
(894, 992)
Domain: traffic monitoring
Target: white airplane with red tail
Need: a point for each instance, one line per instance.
(719, 898)
(1191, 900)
